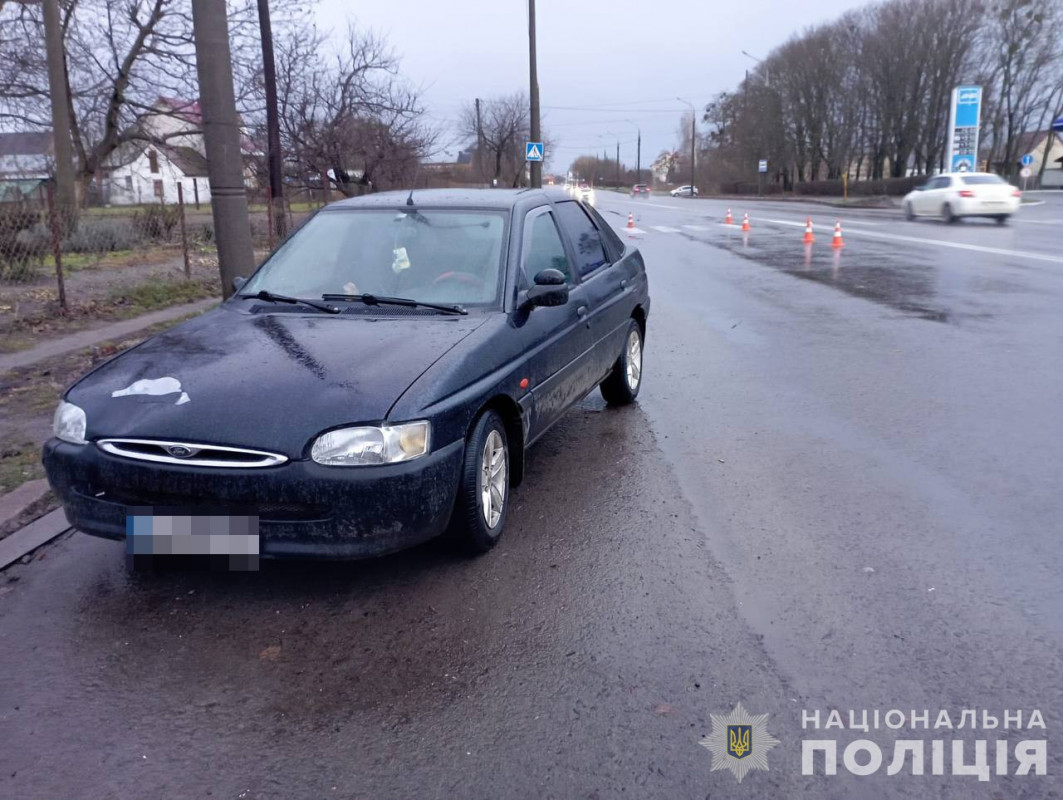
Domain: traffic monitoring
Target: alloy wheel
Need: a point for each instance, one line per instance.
(634, 360)
(493, 479)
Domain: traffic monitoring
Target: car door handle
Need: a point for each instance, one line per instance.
(581, 311)
(623, 283)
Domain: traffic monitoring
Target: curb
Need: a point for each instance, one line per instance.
(92, 336)
(26, 540)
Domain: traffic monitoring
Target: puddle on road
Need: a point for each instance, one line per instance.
(882, 276)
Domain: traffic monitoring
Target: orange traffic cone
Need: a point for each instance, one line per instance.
(727, 220)
(809, 238)
(836, 241)
(745, 222)
(630, 220)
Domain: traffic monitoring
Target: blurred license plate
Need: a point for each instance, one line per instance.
(231, 539)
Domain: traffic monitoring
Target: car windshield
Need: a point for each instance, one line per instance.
(975, 180)
(430, 255)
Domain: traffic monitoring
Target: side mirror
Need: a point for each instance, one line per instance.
(238, 283)
(550, 289)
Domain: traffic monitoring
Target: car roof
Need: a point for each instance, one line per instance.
(504, 199)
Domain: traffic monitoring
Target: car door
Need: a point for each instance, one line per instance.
(557, 339)
(608, 272)
(935, 195)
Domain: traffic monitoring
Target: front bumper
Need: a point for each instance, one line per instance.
(304, 508)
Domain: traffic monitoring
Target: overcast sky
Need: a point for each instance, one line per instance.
(601, 62)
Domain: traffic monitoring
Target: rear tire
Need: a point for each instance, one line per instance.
(1002, 219)
(483, 494)
(946, 214)
(909, 212)
(621, 386)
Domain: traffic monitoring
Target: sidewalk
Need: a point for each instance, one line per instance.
(88, 338)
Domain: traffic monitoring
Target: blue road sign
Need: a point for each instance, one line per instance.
(533, 151)
(1057, 124)
(1026, 160)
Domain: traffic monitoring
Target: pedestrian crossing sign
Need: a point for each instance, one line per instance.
(533, 151)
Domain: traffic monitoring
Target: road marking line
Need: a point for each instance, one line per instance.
(997, 251)
(697, 227)
(633, 231)
(664, 229)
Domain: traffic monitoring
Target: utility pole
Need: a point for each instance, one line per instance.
(65, 193)
(273, 132)
(693, 139)
(638, 152)
(479, 139)
(221, 135)
(617, 163)
(536, 166)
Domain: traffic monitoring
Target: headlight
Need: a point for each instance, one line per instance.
(69, 423)
(388, 444)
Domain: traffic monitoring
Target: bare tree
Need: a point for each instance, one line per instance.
(1022, 41)
(349, 118)
(121, 56)
(505, 128)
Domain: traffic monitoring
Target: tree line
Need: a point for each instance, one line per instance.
(868, 94)
(345, 112)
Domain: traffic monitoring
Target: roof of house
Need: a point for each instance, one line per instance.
(1029, 141)
(187, 159)
(26, 143)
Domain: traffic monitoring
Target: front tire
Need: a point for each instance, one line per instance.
(909, 212)
(483, 495)
(621, 386)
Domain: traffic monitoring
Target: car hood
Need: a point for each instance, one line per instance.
(269, 381)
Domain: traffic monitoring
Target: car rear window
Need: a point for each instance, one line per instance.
(976, 180)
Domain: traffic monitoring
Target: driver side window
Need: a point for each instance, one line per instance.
(544, 250)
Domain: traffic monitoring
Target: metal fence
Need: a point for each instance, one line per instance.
(39, 237)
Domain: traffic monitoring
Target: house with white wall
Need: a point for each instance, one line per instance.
(141, 172)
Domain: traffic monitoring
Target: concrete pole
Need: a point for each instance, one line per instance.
(65, 193)
(221, 134)
(273, 133)
(536, 166)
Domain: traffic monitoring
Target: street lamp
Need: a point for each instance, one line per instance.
(693, 139)
(638, 152)
(614, 136)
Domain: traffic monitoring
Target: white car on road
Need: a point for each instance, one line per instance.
(684, 191)
(963, 194)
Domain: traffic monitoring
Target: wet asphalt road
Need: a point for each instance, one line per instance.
(840, 489)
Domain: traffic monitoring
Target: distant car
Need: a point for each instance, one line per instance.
(640, 189)
(684, 191)
(375, 383)
(586, 194)
(963, 194)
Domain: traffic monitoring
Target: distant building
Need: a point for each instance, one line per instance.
(26, 160)
(140, 172)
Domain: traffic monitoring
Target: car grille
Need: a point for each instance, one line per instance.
(189, 454)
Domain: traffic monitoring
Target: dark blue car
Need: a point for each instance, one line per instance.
(374, 384)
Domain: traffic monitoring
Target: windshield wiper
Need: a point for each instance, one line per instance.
(283, 298)
(378, 300)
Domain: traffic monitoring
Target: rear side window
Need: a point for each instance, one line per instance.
(614, 247)
(544, 249)
(976, 180)
(590, 253)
